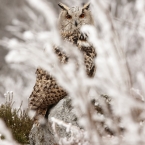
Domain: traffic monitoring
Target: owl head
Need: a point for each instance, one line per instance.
(72, 18)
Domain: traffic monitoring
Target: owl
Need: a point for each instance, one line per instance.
(47, 92)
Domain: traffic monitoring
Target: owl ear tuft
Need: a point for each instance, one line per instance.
(86, 6)
(63, 6)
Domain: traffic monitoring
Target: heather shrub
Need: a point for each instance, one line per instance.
(16, 120)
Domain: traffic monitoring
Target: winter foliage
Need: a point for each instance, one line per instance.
(119, 41)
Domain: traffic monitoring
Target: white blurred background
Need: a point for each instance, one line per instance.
(19, 21)
(119, 39)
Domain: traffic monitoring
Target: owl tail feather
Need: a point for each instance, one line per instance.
(41, 115)
(48, 110)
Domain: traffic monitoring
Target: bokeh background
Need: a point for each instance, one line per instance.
(18, 19)
(119, 38)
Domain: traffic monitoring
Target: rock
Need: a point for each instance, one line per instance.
(44, 134)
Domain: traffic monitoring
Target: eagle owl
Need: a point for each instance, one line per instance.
(47, 92)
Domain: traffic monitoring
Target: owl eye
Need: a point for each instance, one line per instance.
(82, 15)
(68, 16)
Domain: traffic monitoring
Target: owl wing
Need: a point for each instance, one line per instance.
(61, 55)
(46, 91)
(89, 55)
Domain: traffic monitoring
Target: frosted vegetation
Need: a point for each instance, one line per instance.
(119, 41)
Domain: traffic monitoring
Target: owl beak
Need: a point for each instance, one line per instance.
(76, 23)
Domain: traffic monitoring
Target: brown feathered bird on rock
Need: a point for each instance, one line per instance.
(46, 91)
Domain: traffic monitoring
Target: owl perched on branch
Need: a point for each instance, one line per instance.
(47, 92)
